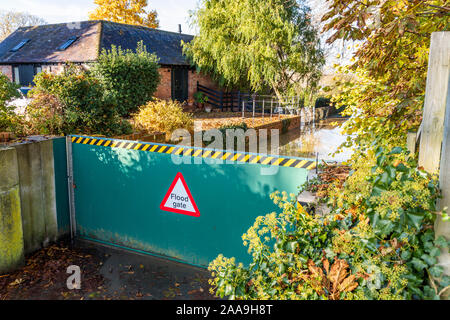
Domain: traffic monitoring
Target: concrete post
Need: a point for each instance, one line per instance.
(37, 194)
(11, 234)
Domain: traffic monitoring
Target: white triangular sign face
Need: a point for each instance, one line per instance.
(179, 199)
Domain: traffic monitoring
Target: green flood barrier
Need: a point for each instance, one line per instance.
(139, 196)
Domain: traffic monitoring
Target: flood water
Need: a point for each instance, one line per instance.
(320, 139)
(316, 140)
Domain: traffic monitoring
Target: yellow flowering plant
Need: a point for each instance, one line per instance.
(377, 245)
(292, 259)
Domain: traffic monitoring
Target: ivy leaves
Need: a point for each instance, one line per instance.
(379, 246)
(398, 210)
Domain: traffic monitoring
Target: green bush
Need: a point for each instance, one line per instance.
(129, 78)
(8, 91)
(45, 115)
(84, 106)
(377, 243)
(223, 130)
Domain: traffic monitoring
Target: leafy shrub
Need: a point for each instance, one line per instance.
(45, 115)
(200, 97)
(379, 245)
(130, 78)
(8, 91)
(163, 116)
(223, 130)
(226, 127)
(84, 106)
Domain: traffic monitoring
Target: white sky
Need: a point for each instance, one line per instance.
(170, 12)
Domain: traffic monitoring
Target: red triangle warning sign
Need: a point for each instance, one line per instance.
(179, 199)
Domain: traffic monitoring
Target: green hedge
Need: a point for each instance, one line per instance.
(129, 78)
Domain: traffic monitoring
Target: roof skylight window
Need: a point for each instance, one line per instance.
(67, 44)
(20, 45)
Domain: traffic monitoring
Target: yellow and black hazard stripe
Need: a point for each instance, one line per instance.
(196, 152)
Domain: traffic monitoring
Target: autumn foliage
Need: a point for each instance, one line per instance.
(390, 64)
(125, 11)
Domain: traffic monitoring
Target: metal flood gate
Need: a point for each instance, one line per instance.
(121, 193)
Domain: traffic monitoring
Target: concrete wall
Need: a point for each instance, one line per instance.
(37, 194)
(11, 234)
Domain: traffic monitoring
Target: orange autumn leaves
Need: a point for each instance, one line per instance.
(125, 11)
(330, 280)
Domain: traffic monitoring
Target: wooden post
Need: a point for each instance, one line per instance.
(441, 227)
(435, 101)
(434, 152)
(243, 109)
(411, 142)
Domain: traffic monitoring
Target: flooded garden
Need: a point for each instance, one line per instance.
(320, 139)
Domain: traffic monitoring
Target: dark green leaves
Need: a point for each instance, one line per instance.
(415, 219)
(441, 242)
(129, 77)
(418, 264)
(436, 271)
(396, 150)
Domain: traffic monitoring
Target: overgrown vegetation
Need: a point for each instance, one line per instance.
(129, 78)
(163, 116)
(73, 102)
(377, 243)
(390, 63)
(8, 91)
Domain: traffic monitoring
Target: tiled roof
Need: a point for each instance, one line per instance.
(92, 36)
(166, 45)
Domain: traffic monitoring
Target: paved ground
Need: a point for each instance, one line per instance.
(138, 275)
(107, 273)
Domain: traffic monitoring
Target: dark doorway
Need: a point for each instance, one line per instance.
(24, 74)
(180, 84)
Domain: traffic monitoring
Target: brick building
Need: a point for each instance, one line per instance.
(30, 50)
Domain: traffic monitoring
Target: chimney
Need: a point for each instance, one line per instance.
(179, 28)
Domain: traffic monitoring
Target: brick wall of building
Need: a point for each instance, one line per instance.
(164, 90)
(7, 71)
(202, 79)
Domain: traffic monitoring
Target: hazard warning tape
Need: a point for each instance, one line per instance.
(196, 152)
